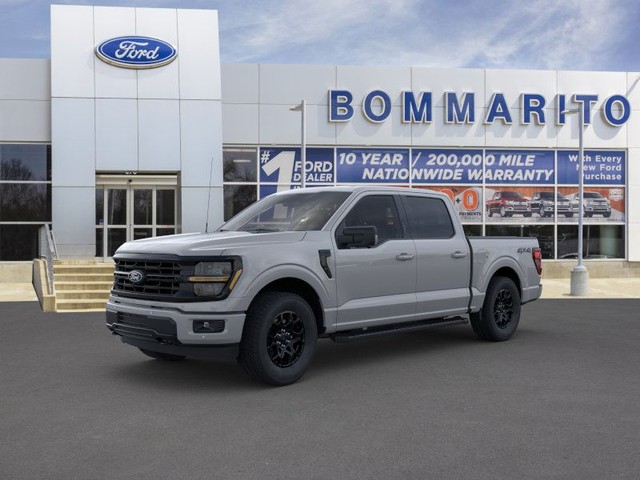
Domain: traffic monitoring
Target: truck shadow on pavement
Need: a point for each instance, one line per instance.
(330, 359)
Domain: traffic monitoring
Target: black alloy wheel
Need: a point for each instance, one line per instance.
(285, 340)
(279, 338)
(498, 319)
(503, 309)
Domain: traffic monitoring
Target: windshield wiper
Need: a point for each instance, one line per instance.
(262, 230)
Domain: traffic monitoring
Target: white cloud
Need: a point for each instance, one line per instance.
(545, 34)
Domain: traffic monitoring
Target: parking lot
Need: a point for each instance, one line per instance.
(558, 401)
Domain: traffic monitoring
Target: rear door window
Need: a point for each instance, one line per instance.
(428, 218)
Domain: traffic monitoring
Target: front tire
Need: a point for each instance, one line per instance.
(500, 314)
(279, 338)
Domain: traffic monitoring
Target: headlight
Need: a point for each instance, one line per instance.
(214, 269)
(510, 202)
(211, 278)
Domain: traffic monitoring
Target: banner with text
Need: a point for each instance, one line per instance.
(283, 165)
(601, 167)
(533, 167)
(446, 166)
(367, 165)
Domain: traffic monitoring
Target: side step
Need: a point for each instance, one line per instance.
(363, 333)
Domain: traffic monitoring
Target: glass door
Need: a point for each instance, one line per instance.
(132, 212)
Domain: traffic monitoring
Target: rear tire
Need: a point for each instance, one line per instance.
(162, 356)
(279, 338)
(498, 319)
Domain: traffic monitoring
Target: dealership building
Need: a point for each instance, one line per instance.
(134, 129)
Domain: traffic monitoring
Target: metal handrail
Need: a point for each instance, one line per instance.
(48, 250)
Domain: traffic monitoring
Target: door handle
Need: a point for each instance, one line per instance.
(459, 254)
(403, 257)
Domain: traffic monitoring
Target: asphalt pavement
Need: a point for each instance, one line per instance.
(561, 400)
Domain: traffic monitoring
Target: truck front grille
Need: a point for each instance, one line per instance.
(160, 277)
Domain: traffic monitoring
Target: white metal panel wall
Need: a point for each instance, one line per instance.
(201, 138)
(159, 135)
(159, 82)
(25, 79)
(441, 80)
(199, 55)
(72, 58)
(116, 134)
(107, 118)
(110, 82)
(243, 83)
(25, 121)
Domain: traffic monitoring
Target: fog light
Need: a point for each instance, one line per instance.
(208, 326)
(207, 289)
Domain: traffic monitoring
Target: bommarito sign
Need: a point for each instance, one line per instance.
(459, 108)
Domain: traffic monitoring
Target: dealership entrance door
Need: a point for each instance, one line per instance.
(132, 207)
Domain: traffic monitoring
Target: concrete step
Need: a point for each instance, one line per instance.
(82, 277)
(63, 285)
(100, 268)
(74, 304)
(83, 294)
(81, 262)
(84, 310)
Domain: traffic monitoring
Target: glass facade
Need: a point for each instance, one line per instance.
(132, 212)
(518, 192)
(25, 198)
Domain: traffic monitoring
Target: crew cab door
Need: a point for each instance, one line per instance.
(443, 257)
(375, 284)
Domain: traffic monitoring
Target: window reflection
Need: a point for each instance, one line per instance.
(25, 202)
(239, 164)
(237, 198)
(165, 207)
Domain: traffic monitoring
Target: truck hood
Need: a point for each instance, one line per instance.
(196, 244)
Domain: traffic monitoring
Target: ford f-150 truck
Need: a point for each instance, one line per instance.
(344, 263)
(508, 203)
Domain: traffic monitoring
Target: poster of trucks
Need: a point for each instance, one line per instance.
(541, 205)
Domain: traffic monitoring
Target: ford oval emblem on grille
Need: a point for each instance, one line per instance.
(136, 52)
(136, 277)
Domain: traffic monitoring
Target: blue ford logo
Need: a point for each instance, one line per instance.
(136, 52)
(136, 277)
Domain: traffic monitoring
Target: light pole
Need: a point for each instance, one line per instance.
(302, 107)
(580, 274)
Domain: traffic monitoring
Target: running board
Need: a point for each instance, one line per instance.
(363, 333)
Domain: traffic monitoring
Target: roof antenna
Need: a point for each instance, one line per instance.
(206, 223)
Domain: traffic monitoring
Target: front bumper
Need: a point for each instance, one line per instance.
(522, 210)
(172, 323)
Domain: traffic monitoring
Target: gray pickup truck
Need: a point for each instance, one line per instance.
(344, 263)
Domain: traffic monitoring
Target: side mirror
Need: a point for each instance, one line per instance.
(358, 237)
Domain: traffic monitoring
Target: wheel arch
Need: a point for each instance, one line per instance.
(510, 273)
(299, 287)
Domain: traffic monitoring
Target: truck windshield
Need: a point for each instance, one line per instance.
(511, 195)
(288, 212)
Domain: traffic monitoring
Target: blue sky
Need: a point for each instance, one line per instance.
(532, 34)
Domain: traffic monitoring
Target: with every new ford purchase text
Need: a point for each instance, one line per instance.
(344, 263)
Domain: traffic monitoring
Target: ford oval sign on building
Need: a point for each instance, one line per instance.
(136, 52)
